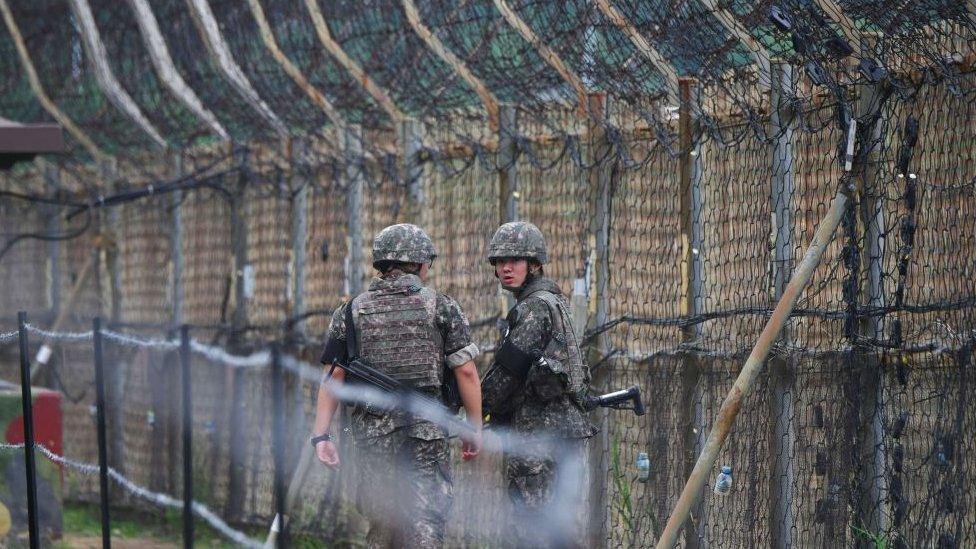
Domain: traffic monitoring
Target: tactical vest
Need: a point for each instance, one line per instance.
(397, 333)
(562, 352)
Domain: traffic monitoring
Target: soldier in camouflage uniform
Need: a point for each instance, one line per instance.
(410, 332)
(537, 385)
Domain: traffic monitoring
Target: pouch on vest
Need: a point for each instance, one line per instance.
(548, 379)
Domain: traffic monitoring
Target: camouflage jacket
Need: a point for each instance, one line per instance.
(458, 349)
(533, 331)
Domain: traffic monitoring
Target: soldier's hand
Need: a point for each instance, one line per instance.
(328, 453)
(470, 445)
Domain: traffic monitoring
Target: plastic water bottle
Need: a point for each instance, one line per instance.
(643, 467)
(723, 484)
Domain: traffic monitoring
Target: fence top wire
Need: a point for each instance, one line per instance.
(372, 65)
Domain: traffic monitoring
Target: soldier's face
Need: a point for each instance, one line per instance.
(424, 271)
(511, 271)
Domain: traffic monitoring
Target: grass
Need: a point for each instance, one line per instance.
(81, 519)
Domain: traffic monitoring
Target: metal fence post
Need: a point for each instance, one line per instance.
(100, 426)
(278, 443)
(236, 483)
(600, 178)
(508, 187)
(691, 415)
(26, 400)
(187, 436)
(354, 209)
(411, 145)
(782, 407)
(299, 236)
(871, 439)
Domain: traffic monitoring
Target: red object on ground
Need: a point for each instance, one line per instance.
(47, 422)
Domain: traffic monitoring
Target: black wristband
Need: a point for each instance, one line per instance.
(320, 438)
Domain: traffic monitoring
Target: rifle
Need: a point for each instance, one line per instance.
(625, 399)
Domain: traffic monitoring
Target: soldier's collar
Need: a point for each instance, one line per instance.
(538, 284)
(397, 280)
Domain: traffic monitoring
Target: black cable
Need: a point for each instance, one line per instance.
(48, 237)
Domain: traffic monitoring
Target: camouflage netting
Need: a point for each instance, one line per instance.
(678, 156)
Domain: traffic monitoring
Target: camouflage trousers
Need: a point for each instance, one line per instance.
(404, 490)
(546, 484)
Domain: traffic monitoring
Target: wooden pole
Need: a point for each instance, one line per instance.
(166, 69)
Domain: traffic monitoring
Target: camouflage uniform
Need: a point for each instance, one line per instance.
(405, 487)
(543, 400)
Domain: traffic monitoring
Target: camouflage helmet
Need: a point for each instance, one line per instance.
(518, 239)
(405, 243)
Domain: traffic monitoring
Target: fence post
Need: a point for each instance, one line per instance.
(27, 405)
(176, 248)
(870, 439)
(115, 379)
(602, 160)
(411, 145)
(236, 486)
(187, 436)
(162, 421)
(52, 177)
(691, 415)
(354, 209)
(299, 236)
(100, 426)
(508, 186)
(278, 443)
(782, 408)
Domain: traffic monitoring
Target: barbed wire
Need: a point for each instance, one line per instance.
(162, 500)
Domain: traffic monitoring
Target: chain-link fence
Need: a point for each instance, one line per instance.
(678, 158)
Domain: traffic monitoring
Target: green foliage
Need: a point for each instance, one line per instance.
(82, 519)
(622, 502)
(878, 540)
